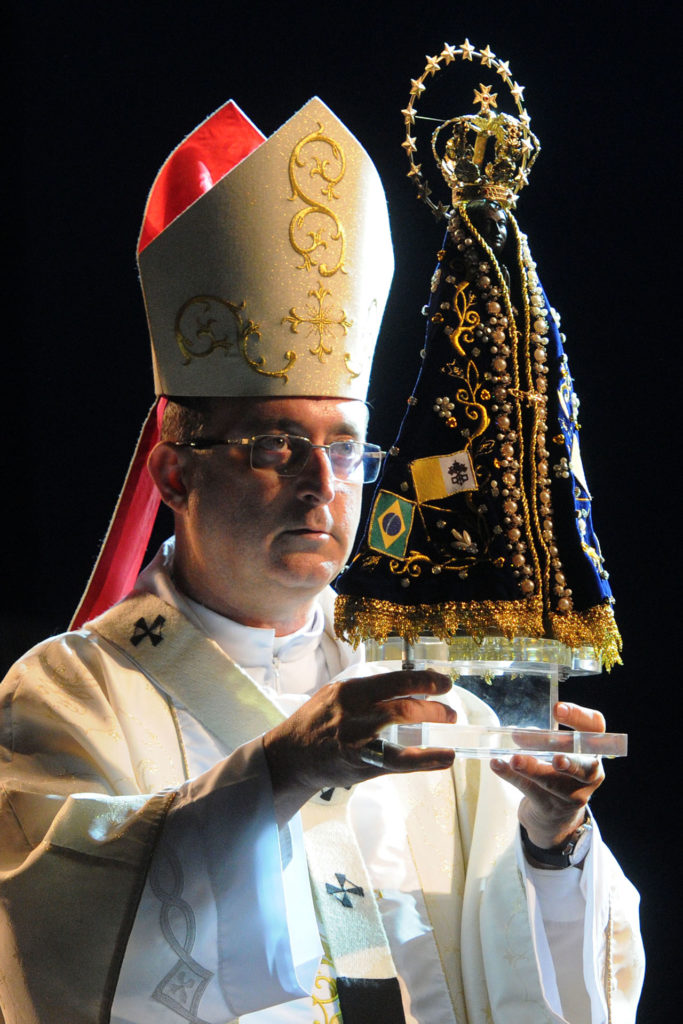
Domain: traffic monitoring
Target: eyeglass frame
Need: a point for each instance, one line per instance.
(200, 443)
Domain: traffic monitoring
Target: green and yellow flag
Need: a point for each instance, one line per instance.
(390, 523)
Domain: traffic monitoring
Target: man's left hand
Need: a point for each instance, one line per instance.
(555, 794)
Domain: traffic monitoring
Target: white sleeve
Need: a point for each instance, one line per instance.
(225, 924)
(583, 919)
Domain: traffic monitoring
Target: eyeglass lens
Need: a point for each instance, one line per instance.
(287, 454)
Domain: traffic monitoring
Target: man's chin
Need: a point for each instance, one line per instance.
(307, 571)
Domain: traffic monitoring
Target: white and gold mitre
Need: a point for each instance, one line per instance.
(274, 280)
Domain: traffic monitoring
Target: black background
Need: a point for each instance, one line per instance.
(101, 96)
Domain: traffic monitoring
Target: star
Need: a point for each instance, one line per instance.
(408, 115)
(504, 69)
(517, 91)
(440, 210)
(416, 87)
(432, 65)
(485, 97)
(467, 50)
(448, 53)
(409, 145)
(487, 56)
(525, 119)
(527, 145)
(414, 171)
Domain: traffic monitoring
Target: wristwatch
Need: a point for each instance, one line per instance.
(569, 854)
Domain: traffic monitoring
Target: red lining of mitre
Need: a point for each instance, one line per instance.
(201, 160)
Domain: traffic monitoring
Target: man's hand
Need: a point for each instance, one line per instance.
(555, 794)
(320, 745)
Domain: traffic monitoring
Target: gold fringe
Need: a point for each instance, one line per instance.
(359, 618)
(595, 627)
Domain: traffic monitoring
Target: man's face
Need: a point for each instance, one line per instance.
(255, 540)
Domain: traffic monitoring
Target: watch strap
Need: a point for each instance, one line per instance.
(567, 854)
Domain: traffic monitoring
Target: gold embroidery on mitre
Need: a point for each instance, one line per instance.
(319, 320)
(335, 231)
(317, 234)
(205, 323)
(351, 371)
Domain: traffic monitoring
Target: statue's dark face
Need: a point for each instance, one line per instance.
(491, 221)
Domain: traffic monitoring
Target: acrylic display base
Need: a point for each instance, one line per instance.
(475, 741)
(518, 679)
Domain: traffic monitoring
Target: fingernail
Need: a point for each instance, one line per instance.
(497, 764)
(562, 711)
(562, 762)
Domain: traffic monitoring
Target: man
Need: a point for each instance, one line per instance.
(153, 860)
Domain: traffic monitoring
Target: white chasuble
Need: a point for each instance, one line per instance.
(81, 821)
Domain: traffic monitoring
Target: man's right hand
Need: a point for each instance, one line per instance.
(321, 744)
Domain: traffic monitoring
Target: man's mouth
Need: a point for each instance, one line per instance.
(304, 530)
(312, 532)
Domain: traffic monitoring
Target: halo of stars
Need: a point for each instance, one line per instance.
(467, 52)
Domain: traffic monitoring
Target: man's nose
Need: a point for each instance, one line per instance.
(316, 481)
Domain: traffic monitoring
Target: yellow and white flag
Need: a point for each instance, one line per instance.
(439, 476)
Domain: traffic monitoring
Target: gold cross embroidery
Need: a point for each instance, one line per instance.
(320, 320)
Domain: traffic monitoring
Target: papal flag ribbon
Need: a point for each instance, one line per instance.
(439, 476)
(390, 523)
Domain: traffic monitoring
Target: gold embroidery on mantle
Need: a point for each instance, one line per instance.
(469, 318)
(205, 323)
(467, 397)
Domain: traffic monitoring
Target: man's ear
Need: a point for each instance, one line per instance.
(167, 466)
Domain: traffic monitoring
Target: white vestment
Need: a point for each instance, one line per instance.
(141, 867)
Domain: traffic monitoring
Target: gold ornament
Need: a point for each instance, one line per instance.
(462, 157)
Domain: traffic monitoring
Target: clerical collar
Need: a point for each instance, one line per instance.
(252, 646)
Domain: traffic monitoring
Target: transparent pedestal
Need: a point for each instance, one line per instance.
(519, 680)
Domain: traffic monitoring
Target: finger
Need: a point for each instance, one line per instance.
(387, 685)
(363, 726)
(408, 710)
(416, 759)
(563, 779)
(581, 769)
(579, 718)
(586, 770)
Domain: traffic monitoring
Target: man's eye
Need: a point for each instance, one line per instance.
(347, 447)
(274, 442)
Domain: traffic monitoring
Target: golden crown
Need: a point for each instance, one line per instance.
(485, 155)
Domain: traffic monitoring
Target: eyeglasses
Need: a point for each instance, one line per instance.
(288, 455)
